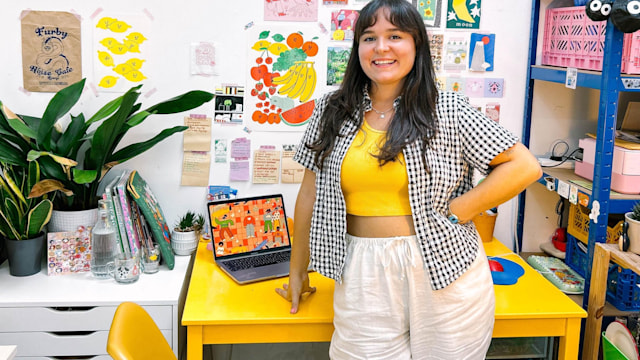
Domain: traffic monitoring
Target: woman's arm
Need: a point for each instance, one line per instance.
(512, 171)
(298, 275)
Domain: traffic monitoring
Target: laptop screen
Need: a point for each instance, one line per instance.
(243, 225)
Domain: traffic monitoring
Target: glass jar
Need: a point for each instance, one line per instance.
(104, 247)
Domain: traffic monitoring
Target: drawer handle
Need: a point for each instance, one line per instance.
(72, 308)
(71, 333)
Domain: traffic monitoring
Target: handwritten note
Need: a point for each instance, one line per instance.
(292, 172)
(195, 168)
(266, 166)
(198, 136)
(241, 148)
(239, 171)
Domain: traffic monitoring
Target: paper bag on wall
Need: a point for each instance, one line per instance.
(51, 52)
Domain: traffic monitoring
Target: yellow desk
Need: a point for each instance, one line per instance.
(217, 311)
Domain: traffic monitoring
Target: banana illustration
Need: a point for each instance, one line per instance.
(310, 84)
(460, 8)
(284, 78)
(292, 79)
(300, 83)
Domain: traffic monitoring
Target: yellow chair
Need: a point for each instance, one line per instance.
(135, 336)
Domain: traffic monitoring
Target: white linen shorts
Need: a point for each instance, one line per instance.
(385, 307)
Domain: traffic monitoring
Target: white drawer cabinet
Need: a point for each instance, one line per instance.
(70, 315)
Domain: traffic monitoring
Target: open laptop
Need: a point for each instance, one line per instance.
(250, 237)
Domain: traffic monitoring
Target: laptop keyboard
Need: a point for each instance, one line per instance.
(257, 261)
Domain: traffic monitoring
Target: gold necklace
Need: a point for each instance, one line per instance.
(381, 114)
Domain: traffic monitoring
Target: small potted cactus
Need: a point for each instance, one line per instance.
(186, 233)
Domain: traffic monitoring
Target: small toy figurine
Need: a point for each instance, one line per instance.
(624, 14)
(598, 10)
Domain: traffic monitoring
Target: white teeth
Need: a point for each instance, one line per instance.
(382, 62)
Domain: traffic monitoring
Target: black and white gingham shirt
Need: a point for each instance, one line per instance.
(466, 140)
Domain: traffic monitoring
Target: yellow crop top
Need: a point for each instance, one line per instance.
(368, 188)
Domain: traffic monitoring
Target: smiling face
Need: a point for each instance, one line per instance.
(386, 53)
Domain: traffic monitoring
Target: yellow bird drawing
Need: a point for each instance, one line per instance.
(460, 7)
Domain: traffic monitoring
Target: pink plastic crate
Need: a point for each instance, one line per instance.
(571, 39)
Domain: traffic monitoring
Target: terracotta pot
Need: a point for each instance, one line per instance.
(25, 256)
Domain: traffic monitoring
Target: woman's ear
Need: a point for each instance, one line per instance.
(598, 10)
(625, 15)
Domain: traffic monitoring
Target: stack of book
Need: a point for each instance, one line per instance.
(132, 229)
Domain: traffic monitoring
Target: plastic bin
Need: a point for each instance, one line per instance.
(622, 289)
(571, 39)
(575, 257)
(578, 225)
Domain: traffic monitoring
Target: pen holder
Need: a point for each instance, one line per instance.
(485, 223)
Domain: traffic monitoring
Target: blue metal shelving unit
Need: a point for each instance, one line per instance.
(610, 83)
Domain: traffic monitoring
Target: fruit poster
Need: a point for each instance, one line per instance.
(463, 14)
(286, 68)
(121, 51)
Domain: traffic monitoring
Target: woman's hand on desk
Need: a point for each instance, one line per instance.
(296, 289)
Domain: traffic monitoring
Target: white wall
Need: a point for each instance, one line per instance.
(180, 23)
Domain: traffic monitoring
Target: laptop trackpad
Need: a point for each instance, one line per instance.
(262, 272)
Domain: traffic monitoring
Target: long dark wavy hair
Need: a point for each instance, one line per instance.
(415, 117)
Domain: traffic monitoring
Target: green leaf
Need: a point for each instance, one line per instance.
(72, 136)
(60, 104)
(12, 213)
(38, 217)
(107, 135)
(106, 110)
(84, 176)
(21, 128)
(184, 102)
(133, 150)
(9, 155)
(6, 226)
(137, 118)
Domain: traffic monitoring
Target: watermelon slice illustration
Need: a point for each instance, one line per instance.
(298, 115)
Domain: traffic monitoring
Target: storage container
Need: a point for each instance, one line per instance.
(571, 39)
(622, 289)
(578, 225)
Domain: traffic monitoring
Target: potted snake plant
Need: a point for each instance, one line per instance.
(75, 159)
(23, 217)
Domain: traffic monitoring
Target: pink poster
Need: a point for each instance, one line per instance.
(291, 10)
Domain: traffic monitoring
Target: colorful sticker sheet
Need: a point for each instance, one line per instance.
(69, 252)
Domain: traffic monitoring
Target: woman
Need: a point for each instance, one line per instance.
(386, 202)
